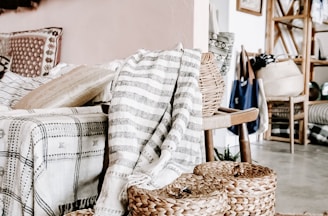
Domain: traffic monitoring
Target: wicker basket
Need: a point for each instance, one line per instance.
(187, 195)
(250, 188)
(211, 84)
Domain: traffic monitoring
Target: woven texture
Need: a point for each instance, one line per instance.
(280, 110)
(250, 188)
(83, 212)
(189, 194)
(211, 84)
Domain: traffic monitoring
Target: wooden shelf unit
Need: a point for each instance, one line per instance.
(283, 24)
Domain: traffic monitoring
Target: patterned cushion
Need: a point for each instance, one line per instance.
(35, 52)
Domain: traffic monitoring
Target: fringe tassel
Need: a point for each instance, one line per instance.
(77, 205)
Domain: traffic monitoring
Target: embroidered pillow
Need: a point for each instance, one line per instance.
(35, 52)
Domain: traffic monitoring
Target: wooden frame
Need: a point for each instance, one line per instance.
(250, 6)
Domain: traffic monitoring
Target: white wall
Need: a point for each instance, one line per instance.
(249, 31)
(102, 30)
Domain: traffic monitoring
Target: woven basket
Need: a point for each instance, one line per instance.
(211, 84)
(250, 188)
(187, 195)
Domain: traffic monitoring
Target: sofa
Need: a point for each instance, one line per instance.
(59, 150)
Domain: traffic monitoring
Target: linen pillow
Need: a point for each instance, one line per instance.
(35, 52)
(14, 86)
(318, 113)
(74, 88)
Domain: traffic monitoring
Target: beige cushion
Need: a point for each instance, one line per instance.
(281, 79)
(74, 88)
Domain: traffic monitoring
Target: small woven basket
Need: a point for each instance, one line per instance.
(211, 84)
(187, 195)
(250, 188)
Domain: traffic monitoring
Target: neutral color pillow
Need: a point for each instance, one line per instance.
(14, 87)
(34, 52)
(74, 88)
(318, 113)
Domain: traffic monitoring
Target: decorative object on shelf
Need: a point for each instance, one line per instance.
(314, 91)
(250, 6)
(220, 43)
(324, 91)
(211, 85)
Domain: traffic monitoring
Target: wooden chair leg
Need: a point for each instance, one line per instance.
(209, 146)
(244, 144)
(291, 124)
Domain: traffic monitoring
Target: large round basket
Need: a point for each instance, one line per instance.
(250, 188)
(187, 195)
(211, 84)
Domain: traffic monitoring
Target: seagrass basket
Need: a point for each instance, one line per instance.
(211, 84)
(189, 194)
(250, 188)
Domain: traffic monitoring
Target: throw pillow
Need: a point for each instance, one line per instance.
(318, 113)
(35, 52)
(74, 88)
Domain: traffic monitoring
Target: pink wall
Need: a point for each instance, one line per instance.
(103, 30)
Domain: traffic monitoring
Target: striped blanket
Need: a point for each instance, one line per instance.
(50, 160)
(155, 125)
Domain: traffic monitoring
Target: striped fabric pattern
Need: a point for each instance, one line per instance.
(318, 113)
(155, 125)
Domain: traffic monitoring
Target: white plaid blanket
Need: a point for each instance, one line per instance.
(50, 160)
(155, 125)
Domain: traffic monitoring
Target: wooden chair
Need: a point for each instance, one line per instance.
(224, 118)
(296, 107)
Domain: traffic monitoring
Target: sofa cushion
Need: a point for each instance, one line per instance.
(34, 52)
(74, 88)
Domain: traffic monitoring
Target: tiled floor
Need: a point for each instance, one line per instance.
(302, 177)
